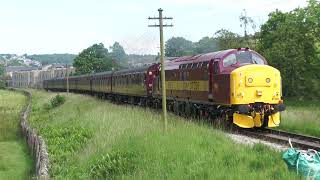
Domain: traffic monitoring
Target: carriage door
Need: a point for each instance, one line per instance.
(214, 70)
(210, 97)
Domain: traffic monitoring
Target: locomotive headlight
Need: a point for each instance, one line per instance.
(250, 80)
(268, 80)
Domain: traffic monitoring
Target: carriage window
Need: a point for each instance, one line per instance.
(189, 65)
(229, 60)
(204, 64)
(194, 65)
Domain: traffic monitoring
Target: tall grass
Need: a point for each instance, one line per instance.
(94, 139)
(15, 162)
(301, 117)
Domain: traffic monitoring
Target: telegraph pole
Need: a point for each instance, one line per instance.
(163, 81)
(67, 75)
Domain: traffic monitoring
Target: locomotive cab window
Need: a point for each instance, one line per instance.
(257, 59)
(229, 60)
(242, 57)
(247, 57)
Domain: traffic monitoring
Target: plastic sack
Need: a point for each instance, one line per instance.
(305, 163)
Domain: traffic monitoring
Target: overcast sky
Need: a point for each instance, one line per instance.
(68, 26)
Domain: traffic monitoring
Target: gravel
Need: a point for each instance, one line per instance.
(241, 139)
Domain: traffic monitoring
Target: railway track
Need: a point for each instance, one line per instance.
(282, 137)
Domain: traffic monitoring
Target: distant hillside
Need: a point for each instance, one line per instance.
(17, 60)
(45, 59)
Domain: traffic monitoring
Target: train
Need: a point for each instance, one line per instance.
(236, 85)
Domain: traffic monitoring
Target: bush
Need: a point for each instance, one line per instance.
(57, 101)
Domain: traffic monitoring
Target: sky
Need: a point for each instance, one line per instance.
(69, 26)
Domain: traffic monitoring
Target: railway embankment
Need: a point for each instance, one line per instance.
(15, 160)
(301, 117)
(89, 138)
(35, 142)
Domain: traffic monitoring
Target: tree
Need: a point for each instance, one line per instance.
(178, 46)
(1, 70)
(227, 39)
(117, 52)
(244, 22)
(93, 59)
(206, 45)
(290, 43)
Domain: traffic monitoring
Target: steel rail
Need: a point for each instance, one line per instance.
(282, 137)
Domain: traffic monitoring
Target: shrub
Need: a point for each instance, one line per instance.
(57, 101)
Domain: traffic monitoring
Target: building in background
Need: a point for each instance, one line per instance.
(35, 77)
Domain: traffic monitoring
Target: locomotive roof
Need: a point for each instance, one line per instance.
(134, 70)
(203, 57)
(175, 62)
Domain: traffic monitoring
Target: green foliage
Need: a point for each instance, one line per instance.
(112, 165)
(45, 59)
(64, 142)
(2, 84)
(205, 45)
(118, 53)
(228, 40)
(222, 39)
(85, 131)
(178, 46)
(289, 43)
(58, 100)
(301, 117)
(1, 70)
(15, 160)
(93, 59)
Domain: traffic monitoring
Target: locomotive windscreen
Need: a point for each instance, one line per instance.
(243, 57)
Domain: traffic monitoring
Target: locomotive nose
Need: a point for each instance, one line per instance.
(255, 83)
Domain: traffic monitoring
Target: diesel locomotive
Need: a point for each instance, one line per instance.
(236, 84)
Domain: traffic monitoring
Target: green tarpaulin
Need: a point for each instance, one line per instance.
(305, 163)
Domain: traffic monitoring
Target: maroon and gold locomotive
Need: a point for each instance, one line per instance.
(236, 84)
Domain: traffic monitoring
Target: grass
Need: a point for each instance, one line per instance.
(301, 117)
(15, 162)
(94, 139)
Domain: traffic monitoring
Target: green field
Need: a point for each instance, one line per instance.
(301, 117)
(15, 162)
(94, 139)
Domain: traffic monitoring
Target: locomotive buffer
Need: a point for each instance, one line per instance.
(163, 84)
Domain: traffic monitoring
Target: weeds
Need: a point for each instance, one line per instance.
(112, 164)
(94, 139)
(301, 117)
(15, 162)
(56, 101)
